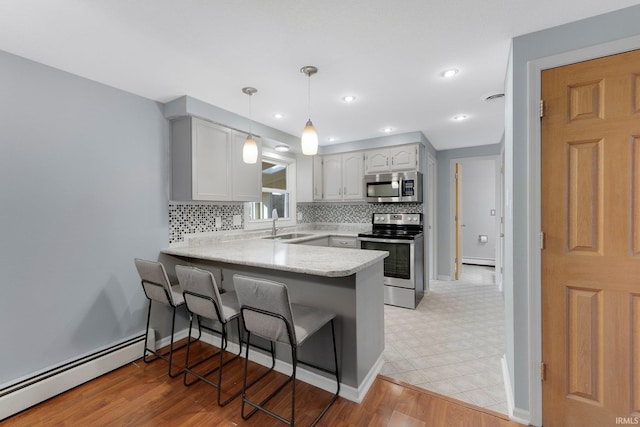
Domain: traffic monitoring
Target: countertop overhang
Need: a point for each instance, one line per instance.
(278, 255)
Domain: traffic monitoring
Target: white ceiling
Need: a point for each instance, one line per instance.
(390, 55)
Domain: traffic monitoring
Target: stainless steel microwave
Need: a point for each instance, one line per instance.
(395, 187)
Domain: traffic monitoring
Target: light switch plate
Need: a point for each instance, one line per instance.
(218, 222)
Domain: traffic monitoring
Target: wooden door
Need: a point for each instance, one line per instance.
(591, 255)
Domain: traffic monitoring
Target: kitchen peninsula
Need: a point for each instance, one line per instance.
(348, 282)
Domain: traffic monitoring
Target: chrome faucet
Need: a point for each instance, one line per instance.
(274, 216)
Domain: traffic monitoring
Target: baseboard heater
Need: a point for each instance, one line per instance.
(38, 388)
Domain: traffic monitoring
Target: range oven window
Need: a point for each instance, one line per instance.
(383, 189)
(398, 263)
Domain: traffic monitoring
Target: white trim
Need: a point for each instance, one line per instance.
(432, 211)
(509, 390)
(23, 398)
(443, 277)
(534, 85)
(305, 375)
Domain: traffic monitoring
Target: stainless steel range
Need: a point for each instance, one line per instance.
(402, 236)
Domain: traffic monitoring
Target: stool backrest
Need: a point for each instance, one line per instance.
(272, 299)
(155, 281)
(200, 292)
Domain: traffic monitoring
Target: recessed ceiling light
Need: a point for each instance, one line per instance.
(450, 73)
(332, 139)
(282, 148)
(349, 98)
(387, 129)
(459, 117)
(278, 115)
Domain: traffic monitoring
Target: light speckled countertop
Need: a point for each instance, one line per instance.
(278, 255)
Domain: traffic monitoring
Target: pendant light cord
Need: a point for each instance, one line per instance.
(309, 96)
(250, 117)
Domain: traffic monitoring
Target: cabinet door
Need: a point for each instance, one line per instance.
(352, 176)
(377, 161)
(210, 169)
(332, 177)
(317, 178)
(403, 158)
(246, 183)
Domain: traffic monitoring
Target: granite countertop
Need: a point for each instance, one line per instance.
(285, 255)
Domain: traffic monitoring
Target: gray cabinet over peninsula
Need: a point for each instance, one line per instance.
(348, 282)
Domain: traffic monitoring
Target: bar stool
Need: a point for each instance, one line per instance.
(158, 288)
(203, 300)
(268, 313)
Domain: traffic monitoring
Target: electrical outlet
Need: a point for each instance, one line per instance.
(299, 216)
(237, 220)
(218, 222)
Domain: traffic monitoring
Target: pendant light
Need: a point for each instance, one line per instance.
(250, 147)
(309, 139)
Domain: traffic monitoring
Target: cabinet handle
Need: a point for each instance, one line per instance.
(345, 191)
(392, 161)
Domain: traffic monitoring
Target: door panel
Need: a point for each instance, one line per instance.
(591, 256)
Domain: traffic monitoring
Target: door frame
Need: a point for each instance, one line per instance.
(534, 191)
(496, 158)
(432, 197)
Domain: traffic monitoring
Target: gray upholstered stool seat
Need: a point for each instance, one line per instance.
(267, 312)
(205, 302)
(157, 288)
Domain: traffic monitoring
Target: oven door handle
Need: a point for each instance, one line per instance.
(376, 240)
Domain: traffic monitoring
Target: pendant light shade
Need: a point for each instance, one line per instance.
(250, 147)
(309, 141)
(250, 150)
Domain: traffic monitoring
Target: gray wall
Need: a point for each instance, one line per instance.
(445, 188)
(543, 44)
(478, 196)
(84, 190)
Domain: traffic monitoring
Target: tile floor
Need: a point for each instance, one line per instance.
(453, 341)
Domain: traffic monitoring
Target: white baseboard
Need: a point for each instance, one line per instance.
(306, 375)
(521, 416)
(27, 394)
(515, 414)
(445, 278)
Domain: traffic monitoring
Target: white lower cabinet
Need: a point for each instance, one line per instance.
(343, 176)
(206, 163)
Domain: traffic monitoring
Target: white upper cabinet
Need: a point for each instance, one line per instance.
(210, 173)
(206, 163)
(246, 182)
(403, 158)
(377, 160)
(400, 158)
(332, 177)
(352, 176)
(343, 176)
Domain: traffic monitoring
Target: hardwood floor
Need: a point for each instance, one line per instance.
(140, 394)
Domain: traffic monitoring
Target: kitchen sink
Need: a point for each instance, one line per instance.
(288, 236)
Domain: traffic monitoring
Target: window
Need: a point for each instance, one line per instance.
(278, 193)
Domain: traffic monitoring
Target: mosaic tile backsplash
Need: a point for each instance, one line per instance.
(187, 218)
(350, 213)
